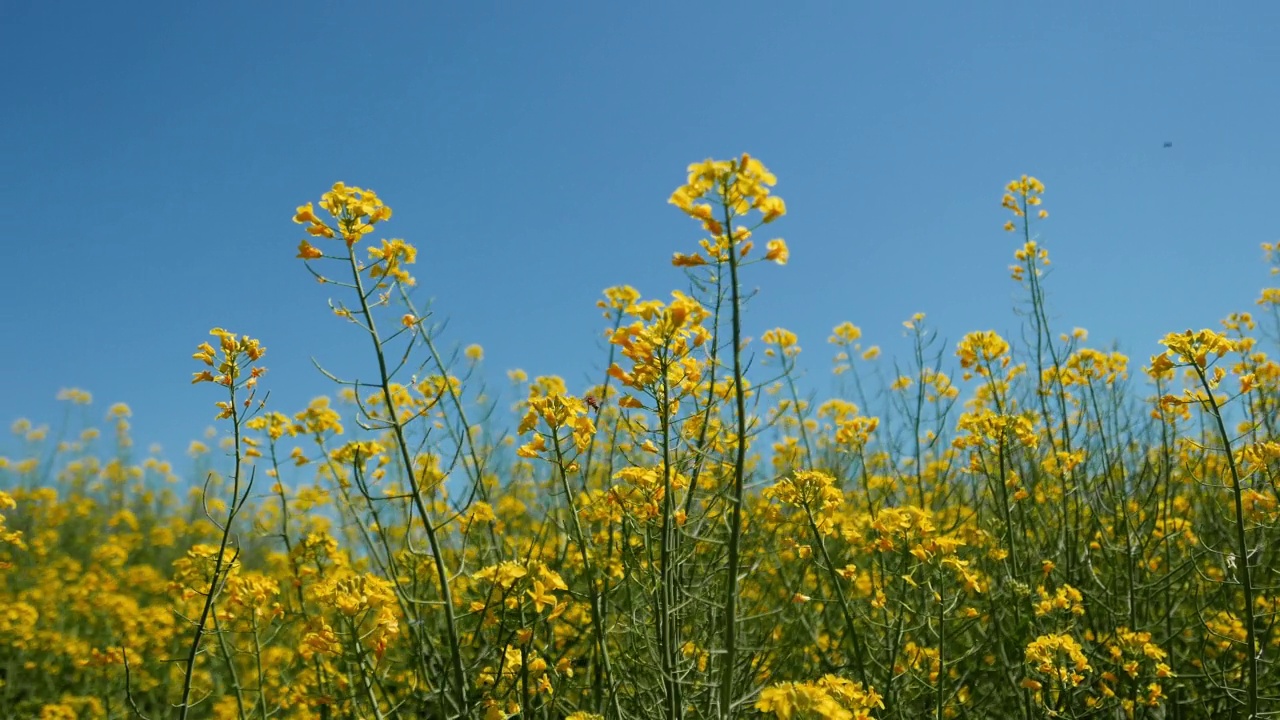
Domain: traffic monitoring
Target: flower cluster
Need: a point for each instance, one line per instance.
(236, 355)
(1020, 196)
(732, 188)
(355, 210)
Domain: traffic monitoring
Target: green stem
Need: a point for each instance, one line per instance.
(1243, 570)
(739, 476)
(433, 540)
(858, 651)
(217, 578)
(593, 594)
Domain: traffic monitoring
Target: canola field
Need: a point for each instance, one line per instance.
(1008, 528)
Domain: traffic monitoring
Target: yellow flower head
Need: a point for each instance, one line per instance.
(230, 361)
(719, 190)
(356, 211)
(1019, 196)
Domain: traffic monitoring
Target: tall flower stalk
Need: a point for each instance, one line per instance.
(356, 212)
(720, 193)
(231, 359)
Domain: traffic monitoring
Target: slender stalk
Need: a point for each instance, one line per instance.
(668, 626)
(257, 664)
(859, 652)
(218, 577)
(1243, 570)
(942, 657)
(397, 427)
(739, 477)
(593, 594)
(228, 659)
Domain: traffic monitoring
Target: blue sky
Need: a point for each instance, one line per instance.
(154, 154)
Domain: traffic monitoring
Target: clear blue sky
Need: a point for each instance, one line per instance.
(154, 153)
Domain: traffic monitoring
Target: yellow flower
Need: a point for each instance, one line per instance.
(734, 186)
(1058, 657)
(319, 418)
(305, 214)
(58, 711)
(783, 339)
(307, 251)
(316, 227)
(682, 260)
(773, 208)
(503, 575)
(844, 333)
(320, 641)
(391, 258)
(533, 448)
(76, 396)
(978, 350)
(541, 596)
(236, 356)
(830, 697)
(356, 210)
(811, 490)
(777, 251)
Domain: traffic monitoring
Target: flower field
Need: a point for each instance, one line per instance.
(1004, 528)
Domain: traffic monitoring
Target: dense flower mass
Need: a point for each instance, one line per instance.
(1007, 526)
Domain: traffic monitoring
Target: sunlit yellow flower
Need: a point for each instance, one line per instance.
(777, 251)
(307, 251)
